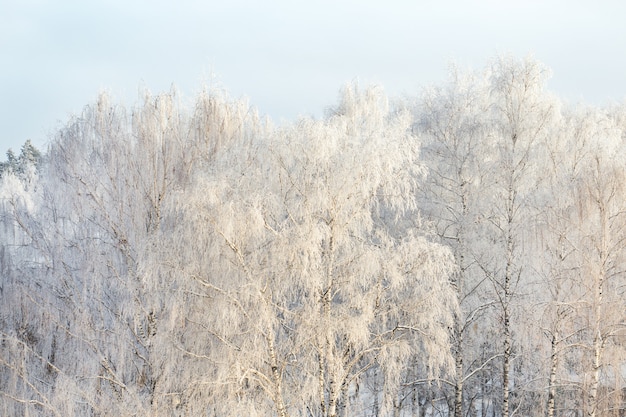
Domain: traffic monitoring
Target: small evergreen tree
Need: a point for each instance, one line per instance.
(27, 161)
(10, 165)
(29, 156)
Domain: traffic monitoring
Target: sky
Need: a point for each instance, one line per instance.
(288, 57)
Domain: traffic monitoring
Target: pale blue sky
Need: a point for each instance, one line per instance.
(288, 57)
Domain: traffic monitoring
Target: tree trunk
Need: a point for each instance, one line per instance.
(592, 405)
(506, 366)
(506, 300)
(321, 380)
(458, 388)
(278, 400)
(552, 379)
(598, 340)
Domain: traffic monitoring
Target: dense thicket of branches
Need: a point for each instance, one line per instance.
(462, 254)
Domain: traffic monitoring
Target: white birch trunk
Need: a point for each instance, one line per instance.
(552, 379)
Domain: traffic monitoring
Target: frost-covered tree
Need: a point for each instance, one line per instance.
(75, 249)
(484, 133)
(302, 267)
(600, 243)
(451, 120)
(578, 261)
(11, 164)
(520, 117)
(84, 237)
(29, 154)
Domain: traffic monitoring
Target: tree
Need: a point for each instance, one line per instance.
(451, 121)
(600, 243)
(580, 232)
(10, 165)
(29, 156)
(86, 339)
(305, 243)
(484, 134)
(557, 291)
(521, 116)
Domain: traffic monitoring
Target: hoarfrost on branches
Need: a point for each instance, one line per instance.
(310, 266)
(463, 257)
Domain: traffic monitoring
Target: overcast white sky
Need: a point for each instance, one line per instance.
(288, 57)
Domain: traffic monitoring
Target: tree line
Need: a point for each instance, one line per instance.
(460, 252)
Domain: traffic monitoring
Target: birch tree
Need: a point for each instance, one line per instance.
(452, 121)
(80, 245)
(306, 244)
(521, 116)
(600, 245)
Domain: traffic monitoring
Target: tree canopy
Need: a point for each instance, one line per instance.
(459, 253)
